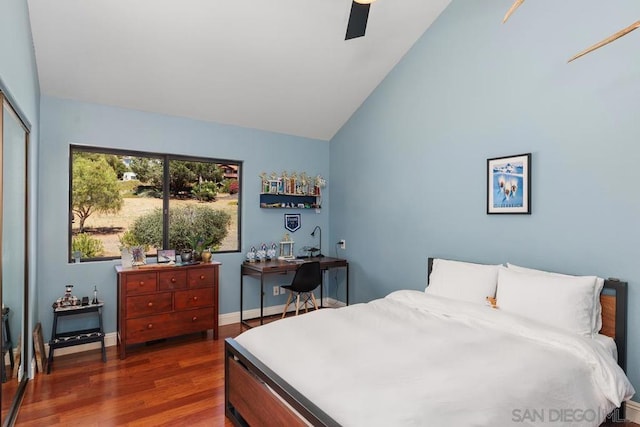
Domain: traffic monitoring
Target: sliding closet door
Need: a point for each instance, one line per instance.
(14, 257)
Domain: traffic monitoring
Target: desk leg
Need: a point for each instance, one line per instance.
(241, 295)
(261, 298)
(322, 289)
(347, 269)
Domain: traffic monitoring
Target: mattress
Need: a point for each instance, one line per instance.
(415, 359)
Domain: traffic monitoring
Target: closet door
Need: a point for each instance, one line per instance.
(14, 260)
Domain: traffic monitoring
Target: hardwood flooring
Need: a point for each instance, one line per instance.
(176, 382)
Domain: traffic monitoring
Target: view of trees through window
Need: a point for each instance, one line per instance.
(118, 199)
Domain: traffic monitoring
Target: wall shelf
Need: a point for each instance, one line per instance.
(294, 191)
(289, 201)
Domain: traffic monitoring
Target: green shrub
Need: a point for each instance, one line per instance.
(89, 246)
(230, 186)
(148, 191)
(128, 187)
(205, 192)
(128, 240)
(185, 222)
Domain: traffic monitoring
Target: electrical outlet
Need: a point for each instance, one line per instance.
(343, 244)
(276, 290)
(282, 291)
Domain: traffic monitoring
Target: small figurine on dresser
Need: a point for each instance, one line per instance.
(67, 300)
(261, 254)
(251, 255)
(271, 252)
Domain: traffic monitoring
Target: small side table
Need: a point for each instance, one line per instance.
(7, 344)
(71, 338)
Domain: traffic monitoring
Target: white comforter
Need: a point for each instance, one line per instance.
(413, 359)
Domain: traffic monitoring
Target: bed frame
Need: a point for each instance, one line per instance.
(256, 396)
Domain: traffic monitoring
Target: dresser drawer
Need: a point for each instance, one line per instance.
(144, 305)
(149, 328)
(169, 325)
(195, 320)
(202, 277)
(169, 280)
(138, 283)
(194, 298)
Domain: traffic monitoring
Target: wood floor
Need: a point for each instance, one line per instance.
(177, 382)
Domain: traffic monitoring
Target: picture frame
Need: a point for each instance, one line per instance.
(166, 255)
(292, 222)
(509, 184)
(38, 347)
(138, 255)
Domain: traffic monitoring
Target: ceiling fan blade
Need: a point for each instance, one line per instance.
(608, 40)
(512, 9)
(357, 20)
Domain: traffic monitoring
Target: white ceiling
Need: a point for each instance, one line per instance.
(276, 65)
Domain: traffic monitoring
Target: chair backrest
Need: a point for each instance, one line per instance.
(308, 277)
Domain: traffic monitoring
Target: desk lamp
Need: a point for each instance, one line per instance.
(313, 233)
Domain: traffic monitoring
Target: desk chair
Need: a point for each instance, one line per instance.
(307, 278)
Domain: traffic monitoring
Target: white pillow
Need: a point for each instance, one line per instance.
(463, 281)
(596, 320)
(562, 302)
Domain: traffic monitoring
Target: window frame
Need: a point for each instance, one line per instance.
(166, 159)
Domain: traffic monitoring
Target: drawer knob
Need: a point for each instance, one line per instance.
(142, 283)
(194, 318)
(202, 277)
(150, 304)
(195, 298)
(150, 326)
(173, 280)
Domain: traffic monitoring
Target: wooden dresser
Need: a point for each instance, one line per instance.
(162, 302)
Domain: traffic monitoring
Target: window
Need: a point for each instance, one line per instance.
(157, 201)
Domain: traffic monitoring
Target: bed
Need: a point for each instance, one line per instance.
(433, 358)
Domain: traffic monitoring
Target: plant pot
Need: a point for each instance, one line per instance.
(186, 256)
(206, 255)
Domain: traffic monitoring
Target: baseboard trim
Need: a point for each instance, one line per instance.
(633, 411)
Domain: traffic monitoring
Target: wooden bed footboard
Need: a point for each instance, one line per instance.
(255, 396)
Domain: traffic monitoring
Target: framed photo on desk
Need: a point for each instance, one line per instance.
(166, 255)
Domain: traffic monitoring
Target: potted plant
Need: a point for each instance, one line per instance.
(198, 243)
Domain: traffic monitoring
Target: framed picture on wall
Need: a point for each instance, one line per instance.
(509, 185)
(38, 348)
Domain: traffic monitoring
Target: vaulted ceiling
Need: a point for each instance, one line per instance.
(275, 65)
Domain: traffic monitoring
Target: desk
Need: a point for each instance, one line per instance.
(85, 336)
(260, 269)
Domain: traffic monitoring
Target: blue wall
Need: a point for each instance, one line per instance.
(66, 122)
(409, 168)
(19, 77)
